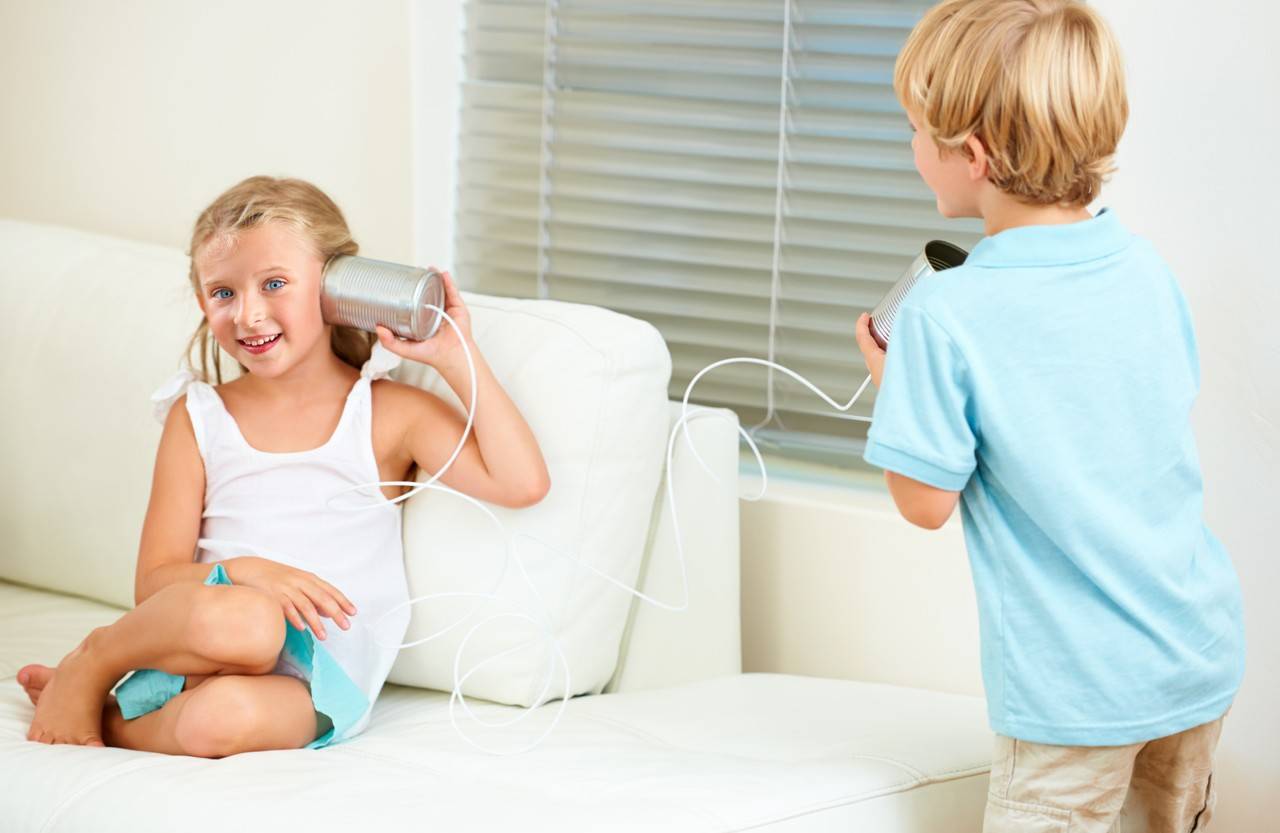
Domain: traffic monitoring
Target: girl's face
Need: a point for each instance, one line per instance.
(262, 299)
(954, 179)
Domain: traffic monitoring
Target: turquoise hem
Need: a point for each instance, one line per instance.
(333, 693)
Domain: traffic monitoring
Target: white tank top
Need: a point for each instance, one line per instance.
(272, 505)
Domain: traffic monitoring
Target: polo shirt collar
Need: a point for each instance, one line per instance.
(1047, 245)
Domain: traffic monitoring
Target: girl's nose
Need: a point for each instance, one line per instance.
(249, 311)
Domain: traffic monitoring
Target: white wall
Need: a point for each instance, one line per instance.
(130, 117)
(436, 55)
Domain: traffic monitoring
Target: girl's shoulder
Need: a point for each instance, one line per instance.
(174, 391)
(399, 407)
(400, 395)
(396, 402)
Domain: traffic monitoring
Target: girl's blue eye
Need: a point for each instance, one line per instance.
(221, 297)
(275, 280)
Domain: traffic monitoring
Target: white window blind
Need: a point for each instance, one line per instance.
(737, 172)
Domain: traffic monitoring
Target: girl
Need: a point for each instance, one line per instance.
(237, 658)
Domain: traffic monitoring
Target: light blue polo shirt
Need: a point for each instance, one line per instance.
(1050, 380)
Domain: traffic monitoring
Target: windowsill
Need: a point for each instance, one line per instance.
(813, 484)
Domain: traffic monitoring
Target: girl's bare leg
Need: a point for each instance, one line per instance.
(185, 628)
(279, 715)
(225, 715)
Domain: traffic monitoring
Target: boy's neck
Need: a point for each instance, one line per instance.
(1000, 211)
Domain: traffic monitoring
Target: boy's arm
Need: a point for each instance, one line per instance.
(921, 504)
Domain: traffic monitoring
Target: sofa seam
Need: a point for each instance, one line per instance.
(898, 789)
(919, 776)
(111, 775)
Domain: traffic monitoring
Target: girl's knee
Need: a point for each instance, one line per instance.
(240, 626)
(216, 723)
(227, 716)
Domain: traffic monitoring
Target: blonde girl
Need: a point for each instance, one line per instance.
(243, 556)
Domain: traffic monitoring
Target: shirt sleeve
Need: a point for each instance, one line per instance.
(922, 425)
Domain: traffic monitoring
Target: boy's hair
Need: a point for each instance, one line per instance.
(301, 207)
(1039, 82)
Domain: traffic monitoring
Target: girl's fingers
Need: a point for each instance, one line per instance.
(329, 606)
(451, 293)
(339, 595)
(390, 341)
(309, 613)
(291, 614)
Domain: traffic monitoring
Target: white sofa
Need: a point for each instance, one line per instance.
(679, 740)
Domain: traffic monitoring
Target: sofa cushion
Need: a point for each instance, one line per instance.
(756, 751)
(93, 324)
(592, 385)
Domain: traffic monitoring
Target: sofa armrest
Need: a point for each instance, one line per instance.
(662, 647)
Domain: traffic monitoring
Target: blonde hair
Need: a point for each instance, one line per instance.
(1039, 82)
(299, 206)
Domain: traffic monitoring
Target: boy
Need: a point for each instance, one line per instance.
(1046, 385)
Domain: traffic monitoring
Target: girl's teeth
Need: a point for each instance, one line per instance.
(259, 342)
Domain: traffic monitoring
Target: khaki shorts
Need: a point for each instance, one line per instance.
(1160, 786)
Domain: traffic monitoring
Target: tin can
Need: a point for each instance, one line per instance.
(362, 292)
(937, 256)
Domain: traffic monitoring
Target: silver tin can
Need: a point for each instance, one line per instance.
(361, 292)
(937, 256)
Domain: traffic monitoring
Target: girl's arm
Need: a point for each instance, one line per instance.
(166, 553)
(501, 462)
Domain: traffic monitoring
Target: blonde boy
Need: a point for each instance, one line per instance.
(1046, 386)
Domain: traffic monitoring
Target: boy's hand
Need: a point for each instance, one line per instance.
(304, 597)
(443, 349)
(871, 351)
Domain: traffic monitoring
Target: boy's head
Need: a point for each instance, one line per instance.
(1026, 95)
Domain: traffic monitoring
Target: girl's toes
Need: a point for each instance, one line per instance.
(33, 679)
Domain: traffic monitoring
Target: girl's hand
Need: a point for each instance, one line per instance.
(301, 595)
(442, 349)
(871, 351)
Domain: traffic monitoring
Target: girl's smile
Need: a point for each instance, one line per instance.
(259, 344)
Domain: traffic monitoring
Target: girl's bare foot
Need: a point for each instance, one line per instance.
(33, 678)
(70, 701)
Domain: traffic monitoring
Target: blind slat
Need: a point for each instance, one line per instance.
(650, 182)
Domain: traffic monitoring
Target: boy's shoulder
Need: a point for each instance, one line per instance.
(939, 294)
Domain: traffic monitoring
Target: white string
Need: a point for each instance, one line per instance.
(512, 552)
(775, 277)
(456, 697)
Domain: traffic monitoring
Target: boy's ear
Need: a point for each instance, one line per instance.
(977, 158)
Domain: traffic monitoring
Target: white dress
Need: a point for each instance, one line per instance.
(273, 505)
